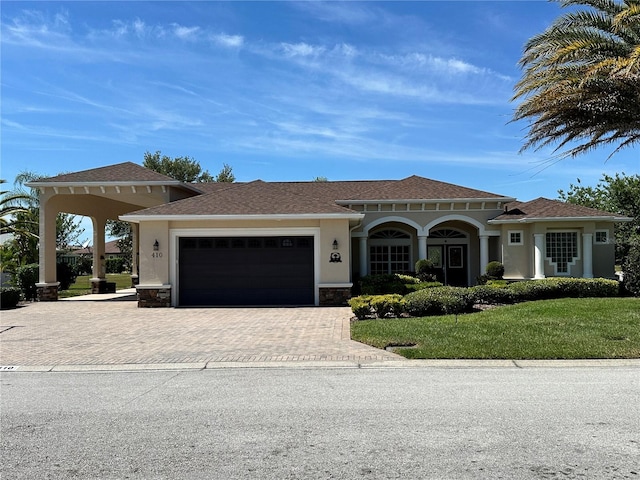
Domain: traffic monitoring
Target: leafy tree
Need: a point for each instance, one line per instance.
(122, 231)
(225, 174)
(185, 169)
(619, 194)
(631, 268)
(581, 79)
(320, 179)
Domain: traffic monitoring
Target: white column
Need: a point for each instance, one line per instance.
(422, 247)
(99, 261)
(47, 250)
(587, 255)
(538, 255)
(484, 253)
(135, 251)
(363, 256)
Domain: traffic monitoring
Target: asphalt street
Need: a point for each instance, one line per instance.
(324, 423)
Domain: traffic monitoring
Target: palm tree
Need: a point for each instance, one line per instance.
(581, 79)
(10, 208)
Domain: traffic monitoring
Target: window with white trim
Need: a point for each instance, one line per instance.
(515, 237)
(602, 236)
(389, 252)
(562, 250)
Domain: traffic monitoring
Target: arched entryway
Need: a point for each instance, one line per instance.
(448, 249)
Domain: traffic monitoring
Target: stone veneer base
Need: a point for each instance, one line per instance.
(152, 297)
(47, 292)
(334, 296)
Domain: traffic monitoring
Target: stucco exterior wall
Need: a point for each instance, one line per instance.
(154, 264)
(334, 272)
(519, 259)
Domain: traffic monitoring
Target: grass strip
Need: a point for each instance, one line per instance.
(82, 285)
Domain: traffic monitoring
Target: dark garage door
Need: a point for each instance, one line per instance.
(246, 271)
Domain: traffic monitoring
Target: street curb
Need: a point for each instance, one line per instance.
(398, 364)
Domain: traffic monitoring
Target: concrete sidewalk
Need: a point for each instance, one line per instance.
(109, 330)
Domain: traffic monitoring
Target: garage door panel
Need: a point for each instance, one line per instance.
(246, 271)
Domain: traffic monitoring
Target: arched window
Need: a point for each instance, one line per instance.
(389, 252)
(446, 233)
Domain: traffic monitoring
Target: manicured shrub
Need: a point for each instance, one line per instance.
(407, 279)
(115, 265)
(9, 297)
(66, 275)
(439, 301)
(425, 270)
(382, 284)
(83, 266)
(361, 306)
(414, 287)
(631, 269)
(491, 294)
(494, 270)
(555, 287)
(26, 278)
(380, 305)
(387, 305)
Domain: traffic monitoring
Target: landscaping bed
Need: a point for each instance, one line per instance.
(553, 318)
(568, 328)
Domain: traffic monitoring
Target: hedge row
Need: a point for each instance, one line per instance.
(393, 283)
(381, 305)
(450, 300)
(9, 297)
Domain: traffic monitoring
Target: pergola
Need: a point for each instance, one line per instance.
(101, 194)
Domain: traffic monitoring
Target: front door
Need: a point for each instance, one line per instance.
(451, 263)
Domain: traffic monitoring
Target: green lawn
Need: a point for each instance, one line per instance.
(82, 286)
(569, 328)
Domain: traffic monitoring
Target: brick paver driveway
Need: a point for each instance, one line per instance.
(116, 332)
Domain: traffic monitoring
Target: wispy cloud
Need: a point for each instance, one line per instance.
(185, 33)
(230, 41)
(301, 50)
(348, 13)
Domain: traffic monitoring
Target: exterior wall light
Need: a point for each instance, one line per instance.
(156, 246)
(335, 244)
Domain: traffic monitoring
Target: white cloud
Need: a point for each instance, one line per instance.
(185, 33)
(338, 12)
(231, 41)
(301, 50)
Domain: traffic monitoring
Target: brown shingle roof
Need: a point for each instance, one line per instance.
(109, 248)
(120, 172)
(410, 188)
(418, 188)
(254, 198)
(543, 208)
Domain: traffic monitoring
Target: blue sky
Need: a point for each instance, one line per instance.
(281, 90)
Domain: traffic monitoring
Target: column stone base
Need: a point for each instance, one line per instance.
(100, 285)
(47, 292)
(154, 296)
(135, 280)
(334, 296)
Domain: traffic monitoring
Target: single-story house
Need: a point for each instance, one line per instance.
(305, 243)
(111, 250)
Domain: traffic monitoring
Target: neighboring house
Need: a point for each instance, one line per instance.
(111, 250)
(299, 243)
